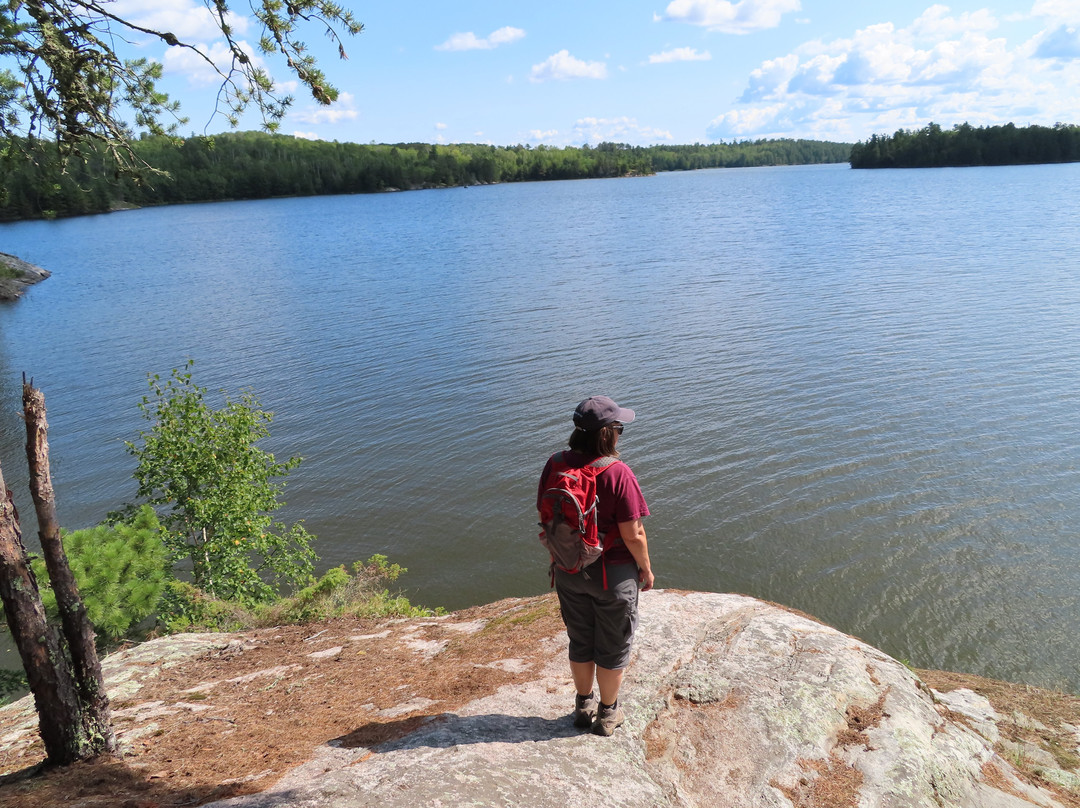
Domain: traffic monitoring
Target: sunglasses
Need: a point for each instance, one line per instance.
(618, 428)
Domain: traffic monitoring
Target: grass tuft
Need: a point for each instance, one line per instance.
(363, 592)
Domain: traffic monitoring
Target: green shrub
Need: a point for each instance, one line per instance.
(185, 607)
(218, 491)
(120, 570)
(338, 593)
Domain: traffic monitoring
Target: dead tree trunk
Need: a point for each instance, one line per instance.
(76, 626)
(47, 669)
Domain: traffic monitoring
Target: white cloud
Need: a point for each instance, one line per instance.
(1065, 11)
(341, 110)
(935, 22)
(198, 71)
(743, 122)
(883, 55)
(892, 119)
(463, 41)
(563, 66)
(189, 20)
(742, 17)
(543, 134)
(773, 76)
(617, 130)
(679, 55)
(470, 41)
(440, 126)
(506, 35)
(942, 67)
(821, 74)
(306, 135)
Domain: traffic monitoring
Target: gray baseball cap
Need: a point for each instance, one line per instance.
(598, 411)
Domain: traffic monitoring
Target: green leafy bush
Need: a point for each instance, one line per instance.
(218, 491)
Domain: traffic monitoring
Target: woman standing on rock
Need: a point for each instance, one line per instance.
(599, 603)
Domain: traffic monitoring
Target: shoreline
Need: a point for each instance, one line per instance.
(16, 275)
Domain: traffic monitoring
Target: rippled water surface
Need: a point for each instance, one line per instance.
(857, 391)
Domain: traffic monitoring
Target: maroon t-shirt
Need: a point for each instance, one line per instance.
(620, 498)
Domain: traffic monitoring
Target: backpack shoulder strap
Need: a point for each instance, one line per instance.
(559, 458)
(596, 466)
(602, 463)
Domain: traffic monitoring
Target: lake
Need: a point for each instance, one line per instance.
(856, 390)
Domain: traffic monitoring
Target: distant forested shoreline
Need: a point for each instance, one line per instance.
(255, 165)
(966, 145)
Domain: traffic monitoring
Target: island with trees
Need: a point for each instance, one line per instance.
(967, 145)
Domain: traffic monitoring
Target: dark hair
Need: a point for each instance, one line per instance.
(598, 443)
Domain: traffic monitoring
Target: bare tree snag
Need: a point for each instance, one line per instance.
(76, 626)
(47, 669)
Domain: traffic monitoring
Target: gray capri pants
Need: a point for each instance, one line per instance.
(600, 622)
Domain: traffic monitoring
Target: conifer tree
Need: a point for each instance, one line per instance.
(64, 80)
(121, 570)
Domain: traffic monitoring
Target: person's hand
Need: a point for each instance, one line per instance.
(647, 579)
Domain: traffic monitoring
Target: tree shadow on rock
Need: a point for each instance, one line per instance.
(107, 781)
(447, 730)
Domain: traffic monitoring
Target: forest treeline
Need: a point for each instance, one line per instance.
(255, 165)
(966, 145)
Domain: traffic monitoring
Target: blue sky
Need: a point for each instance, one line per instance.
(567, 73)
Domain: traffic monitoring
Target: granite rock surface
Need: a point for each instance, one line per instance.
(730, 701)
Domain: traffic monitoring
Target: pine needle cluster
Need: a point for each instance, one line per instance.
(121, 570)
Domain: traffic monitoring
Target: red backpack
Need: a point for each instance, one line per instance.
(568, 513)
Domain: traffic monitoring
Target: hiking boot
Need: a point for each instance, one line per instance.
(584, 710)
(608, 719)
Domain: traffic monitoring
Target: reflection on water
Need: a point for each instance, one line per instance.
(855, 389)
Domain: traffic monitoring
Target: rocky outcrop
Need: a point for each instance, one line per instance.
(16, 275)
(730, 702)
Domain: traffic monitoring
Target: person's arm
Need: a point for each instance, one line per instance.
(633, 536)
